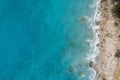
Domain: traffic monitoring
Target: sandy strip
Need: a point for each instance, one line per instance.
(107, 66)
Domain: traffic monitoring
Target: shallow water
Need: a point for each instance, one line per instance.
(44, 39)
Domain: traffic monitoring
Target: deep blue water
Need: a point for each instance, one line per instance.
(44, 39)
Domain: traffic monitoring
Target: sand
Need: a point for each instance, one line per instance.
(107, 66)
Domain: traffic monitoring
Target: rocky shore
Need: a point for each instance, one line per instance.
(107, 63)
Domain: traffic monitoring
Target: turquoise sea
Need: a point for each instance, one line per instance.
(45, 39)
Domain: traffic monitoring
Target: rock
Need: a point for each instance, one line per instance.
(71, 69)
(98, 45)
(119, 36)
(116, 24)
(102, 1)
(115, 3)
(99, 35)
(97, 22)
(91, 64)
(108, 35)
(80, 65)
(81, 74)
(88, 44)
(103, 78)
(83, 19)
(72, 44)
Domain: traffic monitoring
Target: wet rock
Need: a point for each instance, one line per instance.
(97, 22)
(98, 45)
(91, 64)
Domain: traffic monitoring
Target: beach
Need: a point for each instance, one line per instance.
(107, 65)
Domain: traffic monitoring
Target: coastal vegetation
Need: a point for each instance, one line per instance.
(117, 55)
(116, 8)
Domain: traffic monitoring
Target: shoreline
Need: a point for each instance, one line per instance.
(106, 33)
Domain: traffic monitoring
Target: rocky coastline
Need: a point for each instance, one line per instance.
(107, 62)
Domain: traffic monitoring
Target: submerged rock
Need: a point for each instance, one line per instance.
(83, 19)
(80, 65)
(71, 69)
(72, 44)
(88, 44)
(81, 74)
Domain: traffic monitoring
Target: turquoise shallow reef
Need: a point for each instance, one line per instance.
(44, 39)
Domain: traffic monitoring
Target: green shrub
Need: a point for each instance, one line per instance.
(117, 54)
(116, 9)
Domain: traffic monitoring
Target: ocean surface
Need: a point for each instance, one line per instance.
(45, 39)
